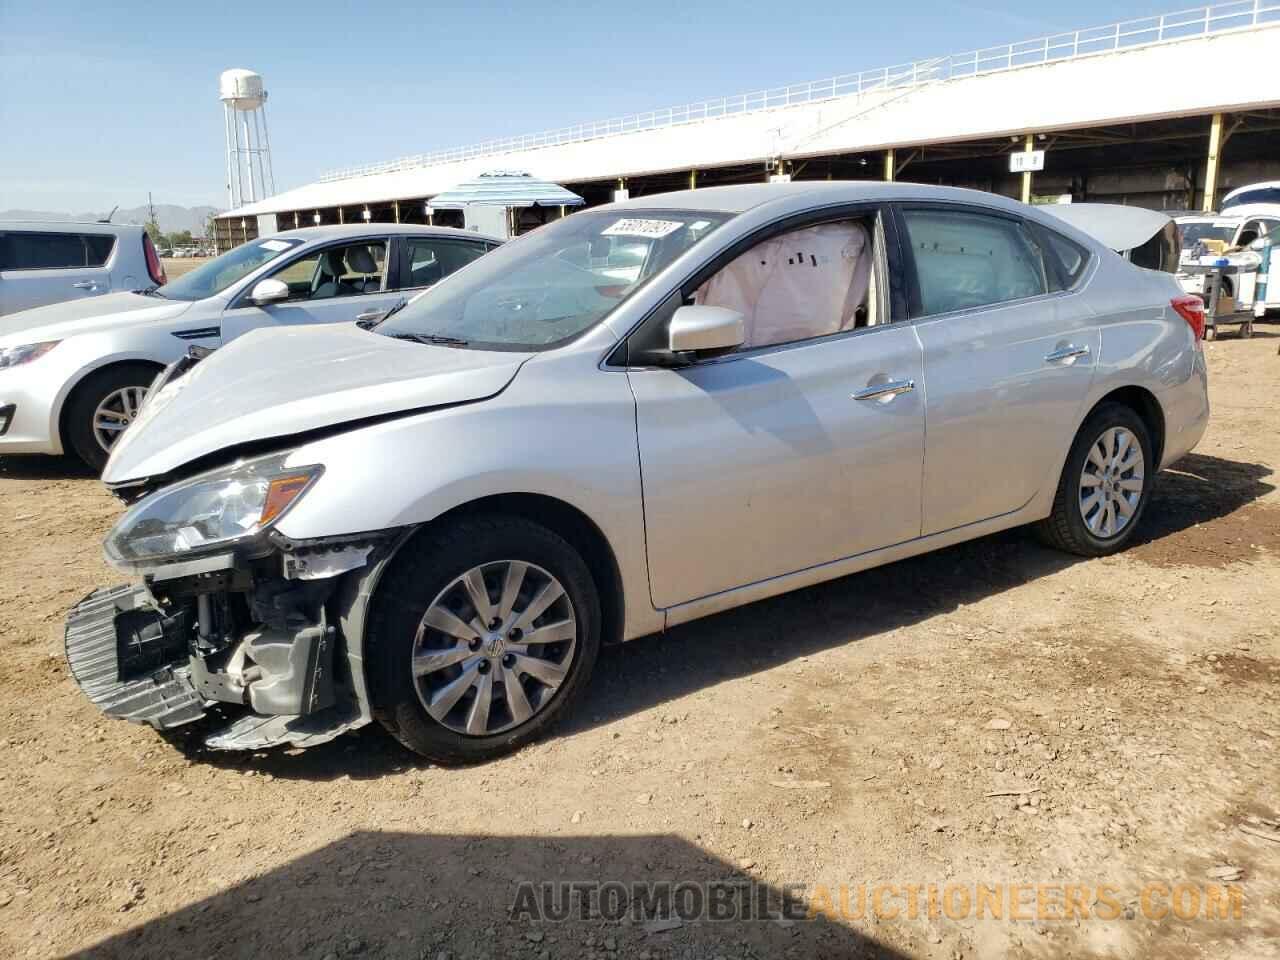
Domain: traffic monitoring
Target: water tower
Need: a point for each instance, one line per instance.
(244, 114)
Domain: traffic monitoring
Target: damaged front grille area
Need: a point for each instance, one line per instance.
(252, 634)
(146, 641)
(162, 697)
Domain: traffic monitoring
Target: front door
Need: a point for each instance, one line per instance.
(761, 465)
(337, 284)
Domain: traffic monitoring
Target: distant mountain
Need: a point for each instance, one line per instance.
(170, 217)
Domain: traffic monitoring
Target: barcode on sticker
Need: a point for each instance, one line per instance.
(652, 229)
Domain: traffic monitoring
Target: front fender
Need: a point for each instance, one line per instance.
(577, 446)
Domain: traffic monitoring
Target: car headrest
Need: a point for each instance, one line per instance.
(360, 260)
(331, 263)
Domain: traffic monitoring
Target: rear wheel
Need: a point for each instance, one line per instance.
(102, 407)
(1104, 486)
(481, 635)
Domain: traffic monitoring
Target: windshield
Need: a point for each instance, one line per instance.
(1193, 233)
(220, 273)
(1256, 195)
(554, 283)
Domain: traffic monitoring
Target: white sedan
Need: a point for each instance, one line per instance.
(73, 375)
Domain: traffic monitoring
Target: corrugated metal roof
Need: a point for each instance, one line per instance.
(506, 188)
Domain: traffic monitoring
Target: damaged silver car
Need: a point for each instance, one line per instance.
(627, 419)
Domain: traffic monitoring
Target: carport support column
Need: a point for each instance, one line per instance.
(396, 205)
(1211, 167)
(1029, 145)
(890, 164)
(693, 179)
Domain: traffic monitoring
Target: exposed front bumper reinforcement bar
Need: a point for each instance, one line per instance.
(122, 670)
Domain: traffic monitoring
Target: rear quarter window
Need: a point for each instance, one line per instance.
(1068, 259)
(98, 247)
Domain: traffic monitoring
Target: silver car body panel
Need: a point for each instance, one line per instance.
(734, 479)
(128, 327)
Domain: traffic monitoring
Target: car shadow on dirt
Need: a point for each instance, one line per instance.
(410, 895)
(645, 673)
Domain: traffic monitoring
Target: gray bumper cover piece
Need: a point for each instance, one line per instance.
(164, 699)
(254, 732)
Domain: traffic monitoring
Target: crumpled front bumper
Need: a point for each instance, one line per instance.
(131, 660)
(163, 697)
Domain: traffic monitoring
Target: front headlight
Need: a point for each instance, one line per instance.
(25, 353)
(207, 512)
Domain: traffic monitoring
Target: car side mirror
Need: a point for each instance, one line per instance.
(1259, 243)
(269, 291)
(706, 331)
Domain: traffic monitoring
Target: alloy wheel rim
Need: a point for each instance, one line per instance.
(114, 414)
(493, 648)
(1111, 482)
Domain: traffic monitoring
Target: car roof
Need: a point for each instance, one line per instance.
(339, 231)
(1260, 185)
(742, 197)
(59, 226)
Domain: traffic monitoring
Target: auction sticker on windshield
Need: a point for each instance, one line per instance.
(276, 245)
(652, 229)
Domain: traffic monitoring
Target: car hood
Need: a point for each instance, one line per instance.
(71, 318)
(278, 382)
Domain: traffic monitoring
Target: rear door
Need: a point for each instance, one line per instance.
(38, 267)
(337, 283)
(1009, 354)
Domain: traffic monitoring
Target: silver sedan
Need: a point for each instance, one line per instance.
(628, 419)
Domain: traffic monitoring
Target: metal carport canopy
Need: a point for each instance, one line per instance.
(506, 188)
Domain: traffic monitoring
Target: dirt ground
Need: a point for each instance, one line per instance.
(1126, 710)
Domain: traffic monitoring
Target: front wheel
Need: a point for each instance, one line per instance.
(1104, 486)
(102, 407)
(481, 635)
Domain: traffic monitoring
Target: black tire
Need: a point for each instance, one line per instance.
(425, 566)
(84, 400)
(1065, 527)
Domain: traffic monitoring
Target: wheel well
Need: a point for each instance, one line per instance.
(1144, 403)
(577, 528)
(74, 392)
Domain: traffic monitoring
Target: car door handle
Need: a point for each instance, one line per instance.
(85, 285)
(889, 389)
(1069, 352)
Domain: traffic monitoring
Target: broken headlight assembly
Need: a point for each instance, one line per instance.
(216, 510)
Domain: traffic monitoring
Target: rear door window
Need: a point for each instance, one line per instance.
(427, 260)
(964, 259)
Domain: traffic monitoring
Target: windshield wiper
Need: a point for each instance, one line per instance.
(151, 292)
(431, 338)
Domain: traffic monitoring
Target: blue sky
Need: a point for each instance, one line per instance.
(101, 102)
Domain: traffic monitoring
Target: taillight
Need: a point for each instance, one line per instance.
(1191, 309)
(154, 266)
